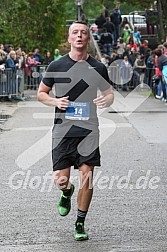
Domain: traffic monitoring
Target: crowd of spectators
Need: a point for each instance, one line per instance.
(16, 64)
(120, 41)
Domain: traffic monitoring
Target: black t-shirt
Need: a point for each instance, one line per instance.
(79, 80)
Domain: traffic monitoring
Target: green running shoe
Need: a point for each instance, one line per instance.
(64, 204)
(79, 232)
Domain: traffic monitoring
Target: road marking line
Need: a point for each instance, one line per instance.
(40, 128)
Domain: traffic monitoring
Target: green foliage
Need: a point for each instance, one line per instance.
(71, 11)
(30, 24)
(126, 6)
(93, 8)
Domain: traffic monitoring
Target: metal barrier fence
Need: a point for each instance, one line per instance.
(130, 78)
(14, 83)
(8, 82)
(33, 76)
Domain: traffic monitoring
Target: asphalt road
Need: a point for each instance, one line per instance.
(129, 207)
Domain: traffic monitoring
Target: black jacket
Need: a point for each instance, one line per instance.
(100, 21)
(109, 26)
(162, 61)
(116, 19)
(106, 38)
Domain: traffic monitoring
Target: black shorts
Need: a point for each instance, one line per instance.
(65, 153)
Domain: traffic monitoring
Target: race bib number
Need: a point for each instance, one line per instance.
(78, 111)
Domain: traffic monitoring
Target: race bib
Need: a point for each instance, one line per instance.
(78, 111)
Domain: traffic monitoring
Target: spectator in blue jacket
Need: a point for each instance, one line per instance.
(37, 56)
(12, 64)
(11, 60)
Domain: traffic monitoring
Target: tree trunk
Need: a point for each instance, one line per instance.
(164, 8)
(161, 33)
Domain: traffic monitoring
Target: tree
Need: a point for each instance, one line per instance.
(30, 24)
(162, 17)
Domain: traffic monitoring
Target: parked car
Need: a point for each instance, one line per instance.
(141, 23)
(136, 20)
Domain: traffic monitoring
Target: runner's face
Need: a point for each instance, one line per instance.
(78, 36)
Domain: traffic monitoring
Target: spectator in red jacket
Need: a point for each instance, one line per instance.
(32, 67)
(131, 42)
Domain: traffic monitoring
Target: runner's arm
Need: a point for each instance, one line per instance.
(44, 97)
(105, 99)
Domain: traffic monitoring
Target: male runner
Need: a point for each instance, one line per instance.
(76, 120)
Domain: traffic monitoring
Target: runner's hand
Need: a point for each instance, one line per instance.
(100, 101)
(62, 103)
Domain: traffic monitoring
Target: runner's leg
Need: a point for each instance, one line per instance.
(86, 188)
